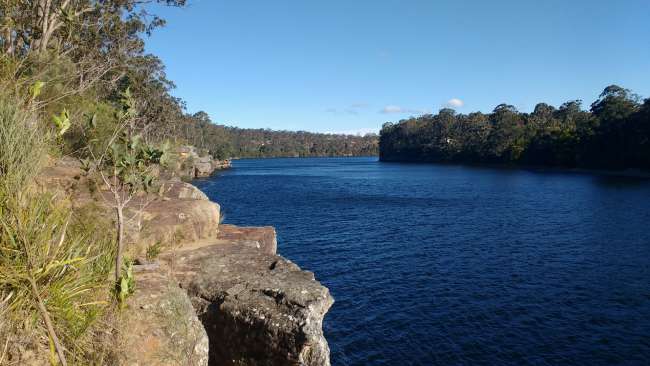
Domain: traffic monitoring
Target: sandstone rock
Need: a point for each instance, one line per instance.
(203, 169)
(258, 309)
(186, 151)
(265, 236)
(160, 326)
(205, 159)
(168, 222)
(182, 190)
(192, 165)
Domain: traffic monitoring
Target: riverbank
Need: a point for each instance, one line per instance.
(207, 293)
(631, 173)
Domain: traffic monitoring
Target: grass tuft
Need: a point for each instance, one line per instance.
(54, 265)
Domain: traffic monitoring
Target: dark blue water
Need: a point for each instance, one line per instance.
(454, 265)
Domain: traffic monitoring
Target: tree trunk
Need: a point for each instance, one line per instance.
(120, 241)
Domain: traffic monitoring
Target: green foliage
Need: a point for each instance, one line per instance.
(614, 134)
(121, 154)
(125, 287)
(153, 251)
(79, 67)
(36, 88)
(38, 241)
(129, 109)
(224, 142)
(130, 160)
(93, 128)
(47, 255)
(62, 122)
(166, 157)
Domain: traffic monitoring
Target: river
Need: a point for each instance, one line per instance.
(458, 265)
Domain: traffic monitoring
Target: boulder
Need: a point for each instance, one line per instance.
(186, 151)
(257, 308)
(181, 190)
(203, 169)
(191, 165)
(168, 222)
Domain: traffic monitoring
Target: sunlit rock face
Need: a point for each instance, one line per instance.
(160, 327)
(257, 308)
(265, 236)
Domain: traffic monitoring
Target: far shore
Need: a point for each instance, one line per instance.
(630, 173)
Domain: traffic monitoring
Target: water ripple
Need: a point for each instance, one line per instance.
(454, 265)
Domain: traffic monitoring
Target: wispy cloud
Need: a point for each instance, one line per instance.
(394, 109)
(454, 103)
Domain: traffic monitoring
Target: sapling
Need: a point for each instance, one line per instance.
(125, 166)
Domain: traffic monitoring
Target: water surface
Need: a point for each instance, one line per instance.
(456, 265)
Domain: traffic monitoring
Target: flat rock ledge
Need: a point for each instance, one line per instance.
(257, 308)
(264, 235)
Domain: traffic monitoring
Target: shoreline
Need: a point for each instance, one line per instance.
(628, 173)
(306, 157)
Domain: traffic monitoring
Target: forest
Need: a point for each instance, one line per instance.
(82, 56)
(613, 134)
(225, 141)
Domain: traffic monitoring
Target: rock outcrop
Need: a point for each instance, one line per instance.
(180, 213)
(191, 164)
(265, 236)
(219, 282)
(160, 326)
(177, 212)
(258, 308)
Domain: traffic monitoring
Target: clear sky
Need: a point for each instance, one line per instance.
(351, 65)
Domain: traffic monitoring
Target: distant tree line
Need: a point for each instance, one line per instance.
(224, 141)
(613, 134)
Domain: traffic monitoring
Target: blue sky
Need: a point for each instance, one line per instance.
(351, 65)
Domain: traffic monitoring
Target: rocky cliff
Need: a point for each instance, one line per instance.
(191, 164)
(258, 308)
(217, 294)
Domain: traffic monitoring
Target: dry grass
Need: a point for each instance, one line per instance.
(54, 266)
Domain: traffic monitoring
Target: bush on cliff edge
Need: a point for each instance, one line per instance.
(53, 266)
